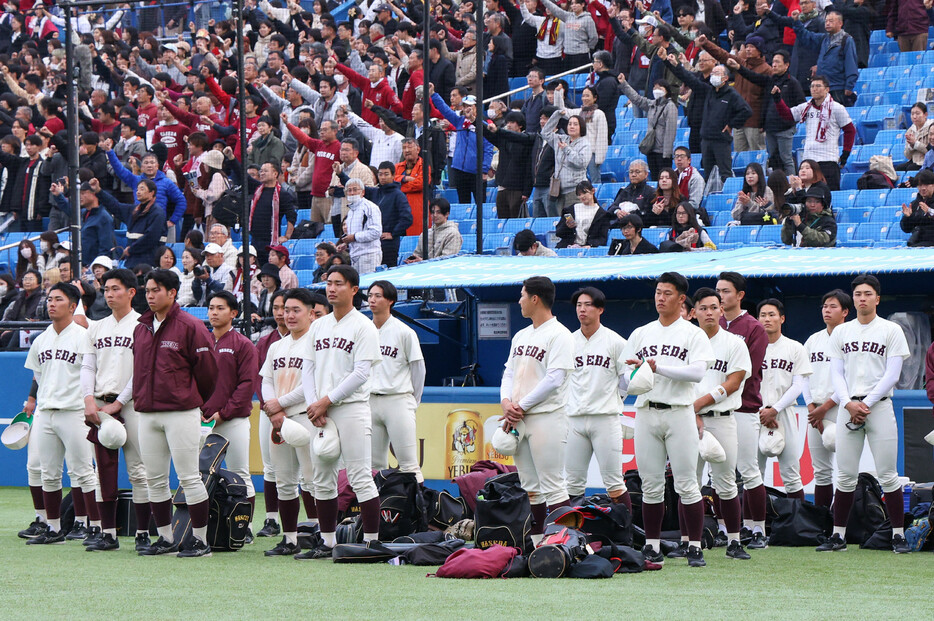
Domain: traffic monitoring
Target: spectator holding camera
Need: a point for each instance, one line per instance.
(918, 218)
(811, 227)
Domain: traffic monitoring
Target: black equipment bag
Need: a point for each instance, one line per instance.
(504, 515)
(625, 559)
(226, 209)
(307, 229)
(372, 552)
(429, 536)
(350, 530)
(798, 522)
(634, 485)
(443, 510)
(561, 548)
(230, 512)
(593, 566)
(868, 514)
(126, 516)
(606, 521)
(432, 553)
(401, 506)
(209, 462)
(67, 513)
(309, 535)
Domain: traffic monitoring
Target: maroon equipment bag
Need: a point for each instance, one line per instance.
(476, 563)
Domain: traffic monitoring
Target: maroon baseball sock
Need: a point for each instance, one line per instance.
(77, 499)
(309, 502)
(842, 503)
(271, 495)
(38, 502)
(288, 514)
(327, 514)
(799, 495)
(539, 513)
(199, 514)
(694, 516)
(652, 516)
(53, 504)
(895, 503)
(757, 503)
(369, 515)
(823, 495)
(162, 512)
(731, 512)
(89, 501)
(625, 499)
(108, 512)
(747, 514)
(143, 516)
(717, 507)
(682, 520)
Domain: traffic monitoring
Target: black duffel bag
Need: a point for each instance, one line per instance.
(504, 515)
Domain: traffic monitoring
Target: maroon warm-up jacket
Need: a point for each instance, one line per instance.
(173, 369)
(750, 330)
(236, 373)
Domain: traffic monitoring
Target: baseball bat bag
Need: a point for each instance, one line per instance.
(592, 566)
(443, 510)
(230, 512)
(401, 506)
(561, 548)
(432, 553)
(504, 515)
(429, 536)
(372, 552)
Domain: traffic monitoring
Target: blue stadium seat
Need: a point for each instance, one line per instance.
(901, 195)
(721, 218)
(614, 150)
(305, 246)
(858, 114)
(303, 214)
(921, 71)
(464, 226)
(877, 37)
(407, 244)
(469, 242)
(896, 233)
(887, 214)
(656, 235)
(542, 226)
(303, 262)
(717, 235)
(899, 98)
(719, 202)
(461, 211)
(744, 158)
(597, 251)
(841, 199)
(745, 235)
(929, 57)
(770, 235)
(201, 312)
(682, 136)
(871, 231)
(607, 192)
(491, 194)
(897, 72)
(494, 240)
(305, 277)
(732, 185)
(853, 215)
(869, 99)
(877, 60)
(911, 58)
(639, 125)
(617, 166)
(569, 252)
(450, 194)
(871, 198)
(848, 181)
(514, 225)
(878, 118)
(860, 157)
(892, 137)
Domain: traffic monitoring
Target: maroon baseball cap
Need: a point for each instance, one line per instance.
(281, 250)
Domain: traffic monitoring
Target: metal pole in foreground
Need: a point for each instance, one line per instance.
(426, 124)
(244, 198)
(480, 189)
(71, 155)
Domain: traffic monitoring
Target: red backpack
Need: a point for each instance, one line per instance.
(477, 563)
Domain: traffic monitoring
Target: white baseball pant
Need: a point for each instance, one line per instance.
(393, 421)
(135, 470)
(292, 463)
(540, 457)
(821, 458)
(882, 432)
(62, 435)
(265, 440)
(354, 429)
(172, 438)
(237, 432)
(600, 435)
(663, 436)
(747, 448)
(789, 461)
(722, 475)
(33, 463)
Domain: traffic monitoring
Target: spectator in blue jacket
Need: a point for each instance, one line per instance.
(145, 223)
(464, 164)
(97, 230)
(836, 57)
(393, 207)
(169, 198)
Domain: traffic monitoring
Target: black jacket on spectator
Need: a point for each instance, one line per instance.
(24, 306)
(607, 88)
(791, 92)
(641, 194)
(393, 206)
(770, 32)
(532, 109)
(622, 247)
(858, 23)
(410, 129)
(542, 157)
(596, 234)
(496, 80)
(442, 76)
(721, 107)
(145, 230)
(7, 299)
(515, 159)
(97, 163)
(20, 179)
(918, 220)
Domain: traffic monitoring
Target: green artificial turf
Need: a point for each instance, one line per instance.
(65, 582)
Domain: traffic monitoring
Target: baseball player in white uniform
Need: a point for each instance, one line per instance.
(343, 347)
(679, 354)
(866, 359)
(818, 393)
(107, 386)
(718, 396)
(534, 390)
(784, 376)
(55, 359)
(396, 384)
(593, 416)
(283, 397)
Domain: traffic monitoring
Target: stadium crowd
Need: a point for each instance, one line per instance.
(335, 131)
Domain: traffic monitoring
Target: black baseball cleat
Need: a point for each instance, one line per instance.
(680, 552)
(721, 540)
(900, 545)
(270, 529)
(695, 557)
(35, 529)
(758, 542)
(49, 536)
(248, 538)
(161, 546)
(735, 550)
(745, 535)
(652, 556)
(105, 542)
(142, 542)
(195, 549)
(834, 544)
(78, 531)
(284, 548)
(94, 535)
(321, 551)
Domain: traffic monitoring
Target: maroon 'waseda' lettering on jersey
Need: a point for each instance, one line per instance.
(286, 363)
(854, 347)
(819, 356)
(778, 363)
(391, 352)
(335, 342)
(719, 366)
(532, 351)
(57, 354)
(673, 351)
(592, 360)
(113, 341)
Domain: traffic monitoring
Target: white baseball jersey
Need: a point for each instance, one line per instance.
(784, 359)
(826, 150)
(283, 366)
(111, 342)
(535, 351)
(677, 345)
(57, 357)
(598, 363)
(335, 346)
(865, 350)
(399, 346)
(819, 383)
(730, 355)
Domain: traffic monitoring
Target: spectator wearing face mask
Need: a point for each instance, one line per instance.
(48, 257)
(8, 292)
(27, 259)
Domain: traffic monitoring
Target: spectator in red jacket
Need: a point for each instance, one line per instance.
(375, 88)
(326, 151)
